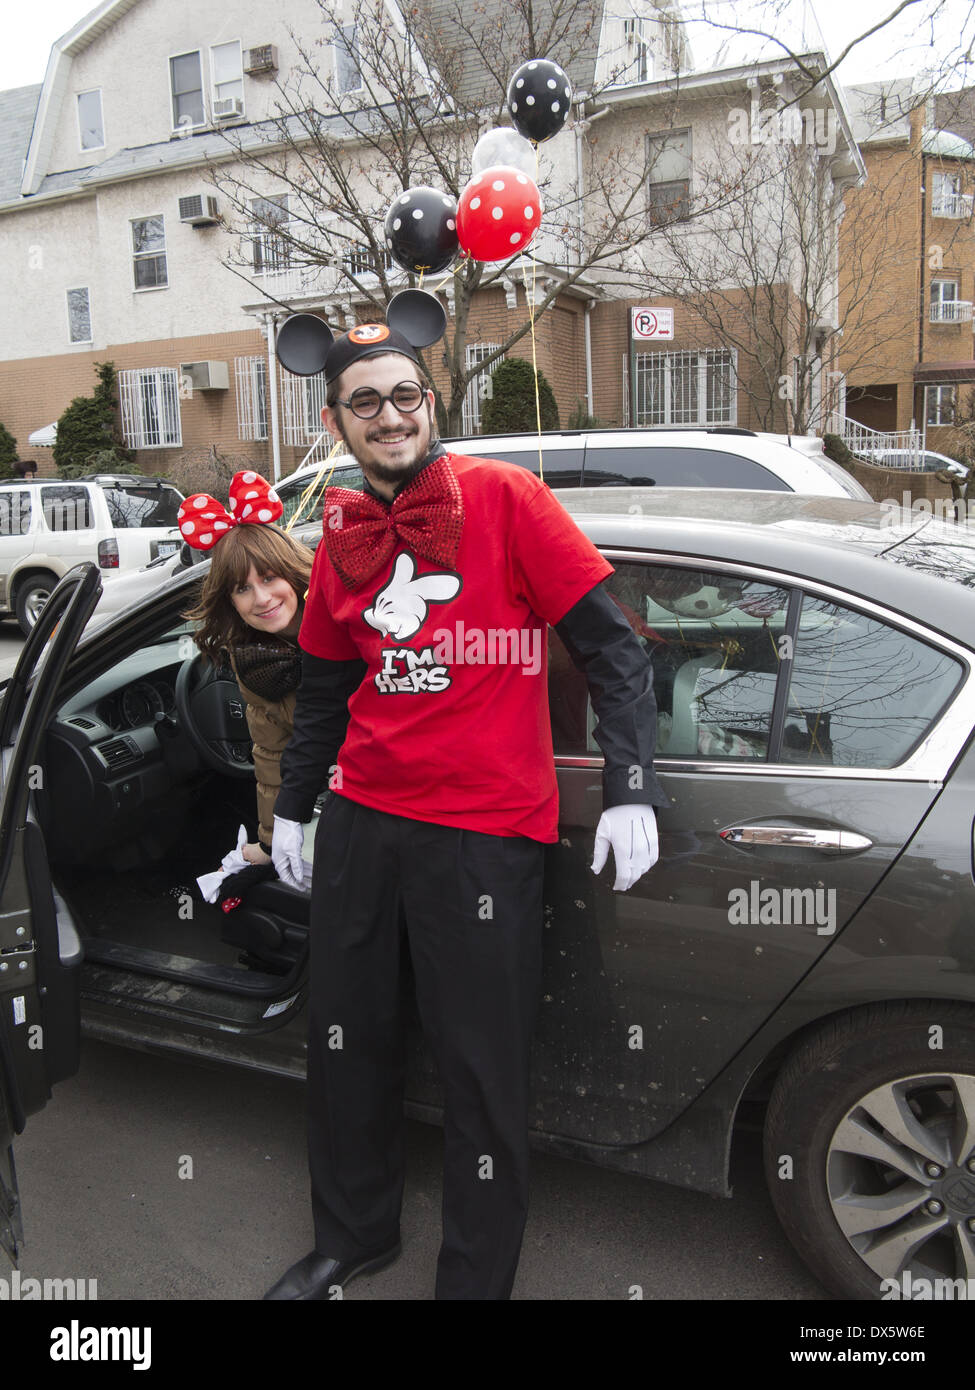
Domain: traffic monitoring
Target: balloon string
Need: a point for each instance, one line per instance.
(538, 407)
(306, 495)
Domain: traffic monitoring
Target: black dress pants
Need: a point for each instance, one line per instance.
(471, 907)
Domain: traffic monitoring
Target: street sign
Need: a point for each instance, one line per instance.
(652, 323)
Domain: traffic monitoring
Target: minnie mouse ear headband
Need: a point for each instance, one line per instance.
(202, 520)
(414, 319)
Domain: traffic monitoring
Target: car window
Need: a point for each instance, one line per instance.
(715, 644)
(304, 494)
(862, 693)
(673, 466)
(66, 508)
(15, 506)
(132, 506)
(560, 467)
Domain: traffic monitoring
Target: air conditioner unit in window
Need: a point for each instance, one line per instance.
(228, 109)
(264, 58)
(200, 210)
(206, 376)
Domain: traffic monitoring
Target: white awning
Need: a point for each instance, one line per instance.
(44, 439)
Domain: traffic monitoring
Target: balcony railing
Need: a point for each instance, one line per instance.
(951, 311)
(952, 205)
(873, 444)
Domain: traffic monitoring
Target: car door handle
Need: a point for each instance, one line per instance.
(796, 837)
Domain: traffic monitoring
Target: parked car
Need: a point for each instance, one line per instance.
(925, 461)
(718, 457)
(801, 957)
(47, 526)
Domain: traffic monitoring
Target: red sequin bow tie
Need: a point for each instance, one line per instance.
(427, 516)
(202, 520)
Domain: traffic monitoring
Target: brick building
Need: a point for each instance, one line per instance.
(913, 365)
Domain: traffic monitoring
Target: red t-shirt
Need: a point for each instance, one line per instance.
(451, 722)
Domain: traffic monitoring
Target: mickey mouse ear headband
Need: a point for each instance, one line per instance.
(203, 521)
(414, 319)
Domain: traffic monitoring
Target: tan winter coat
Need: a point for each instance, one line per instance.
(271, 723)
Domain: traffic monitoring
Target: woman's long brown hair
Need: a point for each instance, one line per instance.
(270, 551)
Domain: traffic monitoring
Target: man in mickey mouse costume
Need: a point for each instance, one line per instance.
(444, 797)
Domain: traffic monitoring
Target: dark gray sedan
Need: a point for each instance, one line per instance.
(802, 955)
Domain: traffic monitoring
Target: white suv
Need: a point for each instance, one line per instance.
(49, 525)
(715, 458)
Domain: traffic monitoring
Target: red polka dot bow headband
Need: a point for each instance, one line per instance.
(202, 520)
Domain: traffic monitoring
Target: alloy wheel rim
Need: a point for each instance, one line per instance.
(900, 1176)
(35, 606)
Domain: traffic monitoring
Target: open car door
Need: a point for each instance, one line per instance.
(40, 951)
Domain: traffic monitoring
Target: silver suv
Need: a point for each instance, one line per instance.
(49, 525)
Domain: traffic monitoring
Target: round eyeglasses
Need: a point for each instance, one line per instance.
(366, 403)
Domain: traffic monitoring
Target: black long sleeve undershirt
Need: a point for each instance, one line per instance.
(606, 650)
(600, 642)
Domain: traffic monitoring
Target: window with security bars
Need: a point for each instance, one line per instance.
(360, 260)
(251, 379)
(149, 404)
(271, 253)
(302, 398)
(685, 388)
(479, 387)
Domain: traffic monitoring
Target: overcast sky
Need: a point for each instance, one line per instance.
(909, 44)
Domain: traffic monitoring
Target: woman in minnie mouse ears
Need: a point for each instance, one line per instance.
(250, 610)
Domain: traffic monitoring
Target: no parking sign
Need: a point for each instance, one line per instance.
(652, 323)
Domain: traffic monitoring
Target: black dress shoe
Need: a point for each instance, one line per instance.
(315, 1275)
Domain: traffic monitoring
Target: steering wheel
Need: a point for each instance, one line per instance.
(211, 713)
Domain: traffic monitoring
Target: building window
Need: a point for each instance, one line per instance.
(686, 388)
(946, 307)
(940, 408)
(79, 316)
(186, 83)
(272, 253)
(91, 127)
(149, 253)
(302, 398)
(228, 76)
(669, 187)
(947, 199)
(637, 57)
(479, 387)
(348, 77)
(361, 261)
(149, 401)
(251, 374)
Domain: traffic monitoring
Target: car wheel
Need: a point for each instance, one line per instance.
(32, 595)
(870, 1149)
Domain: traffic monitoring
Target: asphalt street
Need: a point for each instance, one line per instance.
(106, 1192)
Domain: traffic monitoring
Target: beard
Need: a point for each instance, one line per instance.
(398, 473)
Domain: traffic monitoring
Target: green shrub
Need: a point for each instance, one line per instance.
(511, 405)
(835, 449)
(88, 427)
(8, 452)
(580, 419)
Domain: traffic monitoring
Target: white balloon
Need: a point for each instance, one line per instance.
(503, 145)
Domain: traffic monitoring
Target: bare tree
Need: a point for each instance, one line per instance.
(762, 271)
(403, 107)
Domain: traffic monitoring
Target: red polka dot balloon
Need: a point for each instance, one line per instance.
(498, 214)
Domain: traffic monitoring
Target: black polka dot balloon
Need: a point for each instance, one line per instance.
(539, 96)
(421, 229)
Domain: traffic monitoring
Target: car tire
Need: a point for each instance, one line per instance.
(861, 1115)
(32, 595)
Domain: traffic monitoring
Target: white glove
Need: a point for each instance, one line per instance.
(232, 863)
(286, 846)
(632, 832)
